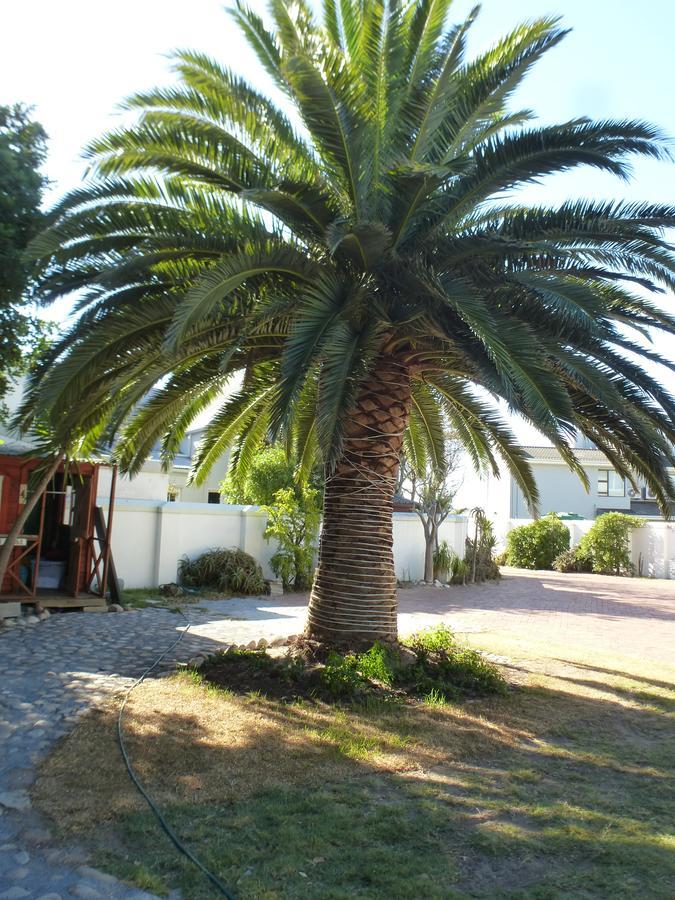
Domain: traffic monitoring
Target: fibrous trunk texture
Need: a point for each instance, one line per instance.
(353, 598)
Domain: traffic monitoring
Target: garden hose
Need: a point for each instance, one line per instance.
(171, 834)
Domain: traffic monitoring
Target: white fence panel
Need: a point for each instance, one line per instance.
(149, 538)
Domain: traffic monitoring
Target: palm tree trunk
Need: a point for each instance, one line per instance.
(353, 598)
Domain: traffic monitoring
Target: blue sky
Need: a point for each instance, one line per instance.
(74, 63)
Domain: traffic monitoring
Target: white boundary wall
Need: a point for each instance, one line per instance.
(652, 546)
(149, 538)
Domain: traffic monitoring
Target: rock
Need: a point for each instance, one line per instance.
(252, 645)
(22, 858)
(196, 662)
(291, 639)
(15, 800)
(96, 875)
(437, 583)
(36, 836)
(115, 607)
(407, 657)
(278, 642)
(82, 889)
(276, 588)
(45, 614)
(171, 590)
(262, 644)
(32, 620)
(17, 874)
(10, 623)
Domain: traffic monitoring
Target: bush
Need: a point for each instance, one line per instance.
(478, 557)
(440, 669)
(607, 544)
(225, 570)
(444, 558)
(293, 521)
(572, 561)
(536, 545)
(458, 571)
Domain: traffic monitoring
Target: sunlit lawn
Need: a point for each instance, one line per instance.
(563, 788)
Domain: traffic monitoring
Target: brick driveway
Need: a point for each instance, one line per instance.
(629, 617)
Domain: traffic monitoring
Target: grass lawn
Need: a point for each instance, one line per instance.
(563, 788)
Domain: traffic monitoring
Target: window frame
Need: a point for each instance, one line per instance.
(608, 490)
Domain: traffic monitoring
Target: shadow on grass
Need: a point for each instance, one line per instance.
(543, 794)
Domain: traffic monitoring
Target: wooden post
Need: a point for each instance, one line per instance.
(111, 504)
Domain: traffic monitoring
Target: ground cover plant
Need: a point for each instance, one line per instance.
(225, 570)
(559, 788)
(431, 662)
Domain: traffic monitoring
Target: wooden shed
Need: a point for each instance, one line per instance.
(62, 558)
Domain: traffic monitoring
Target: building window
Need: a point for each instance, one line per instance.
(610, 483)
(214, 497)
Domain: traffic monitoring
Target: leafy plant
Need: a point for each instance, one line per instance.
(536, 545)
(270, 470)
(294, 523)
(434, 639)
(229, 570)
(572, 560)
(460, 571)
(607, 544)
(479, 550)
(341, 675)
(444, 557)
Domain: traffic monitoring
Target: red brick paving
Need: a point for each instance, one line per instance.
(624, 616)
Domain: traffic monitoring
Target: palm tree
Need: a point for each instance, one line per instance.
(353, 250)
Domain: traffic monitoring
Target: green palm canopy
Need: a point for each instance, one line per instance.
(355, 251)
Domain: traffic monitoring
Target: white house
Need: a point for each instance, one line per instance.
(152, 483)
(560, 489)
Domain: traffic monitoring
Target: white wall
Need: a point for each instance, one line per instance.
(149, 538)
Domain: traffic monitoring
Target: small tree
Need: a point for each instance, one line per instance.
(479, 556)
(23, 149)
(294, 524)
(431, 490)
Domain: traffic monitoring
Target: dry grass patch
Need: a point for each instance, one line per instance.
(562, 788)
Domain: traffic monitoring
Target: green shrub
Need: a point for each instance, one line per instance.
(434, 639)
(536, 545)
(341, 676)
(572, 561)
(293, 521)
(459, 669)
(444, 558)
(459, 571)
(501, 559)
(378, 664)
(225, 570)
(607, 544)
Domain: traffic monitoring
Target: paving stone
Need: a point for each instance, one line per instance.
(15, 893)
(17, 874)
(14, 800)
